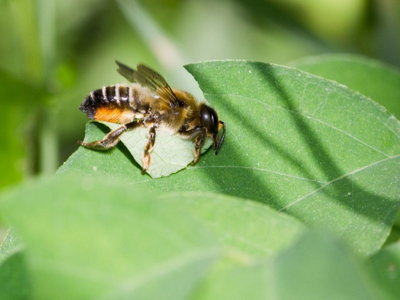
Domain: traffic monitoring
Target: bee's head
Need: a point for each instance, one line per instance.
(209, 119)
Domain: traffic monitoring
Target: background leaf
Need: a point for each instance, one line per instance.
(11, 244)
(243, 226)
(84, 252)
(302, 144)
(386, 268)
(318, 266)
(93, 238)
(14, 276)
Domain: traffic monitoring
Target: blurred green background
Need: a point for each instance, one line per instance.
(55, 52)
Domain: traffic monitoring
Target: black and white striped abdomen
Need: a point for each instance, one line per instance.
(116, 103)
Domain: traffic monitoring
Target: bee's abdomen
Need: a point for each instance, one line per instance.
(116, 104)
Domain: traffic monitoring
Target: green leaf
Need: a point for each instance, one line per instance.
(90, 238)
(304, 145)
(386, 267)
(243, 226)
(371, 78)
(10, 245)
(14, 279)
(318, 266)
(93, 238)
(170, 154)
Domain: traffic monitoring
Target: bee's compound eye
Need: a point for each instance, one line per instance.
(209, 119)
(181, 103)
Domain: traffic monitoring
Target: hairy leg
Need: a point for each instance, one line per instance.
(198, 142)
(112, 138)
(149, 147)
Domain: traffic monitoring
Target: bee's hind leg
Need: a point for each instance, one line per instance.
(149, 147)
(112, 138)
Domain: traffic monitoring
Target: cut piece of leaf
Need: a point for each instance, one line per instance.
(371, 78)
(302, 144)
(318, 266)
(171, 153)
(95, 238)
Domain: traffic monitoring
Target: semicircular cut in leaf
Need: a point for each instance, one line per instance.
(369, 77)
(304, 145)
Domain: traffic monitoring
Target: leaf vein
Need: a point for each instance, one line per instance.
(337, 179)
(349, 135)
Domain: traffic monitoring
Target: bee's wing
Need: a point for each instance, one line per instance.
(149, 78)
(125, 71)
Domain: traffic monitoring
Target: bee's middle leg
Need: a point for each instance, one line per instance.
(112, 138)
(198, 143)
(149, 148)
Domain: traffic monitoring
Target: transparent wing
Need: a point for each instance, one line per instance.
(149, 78)
(125, 71)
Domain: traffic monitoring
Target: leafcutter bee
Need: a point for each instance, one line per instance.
(150, 102)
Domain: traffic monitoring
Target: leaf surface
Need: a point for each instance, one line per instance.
(371, 78)
(14, 277)
(304, 145)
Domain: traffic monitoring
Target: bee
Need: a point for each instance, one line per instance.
(150, 102)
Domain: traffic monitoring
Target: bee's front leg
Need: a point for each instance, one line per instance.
(149, 147)
(112, 138)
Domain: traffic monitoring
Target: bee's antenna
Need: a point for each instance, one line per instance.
(221, 139)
